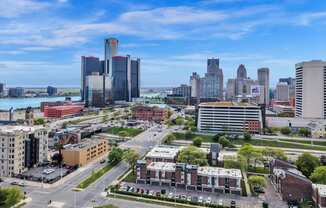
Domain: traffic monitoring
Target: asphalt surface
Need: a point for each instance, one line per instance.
(63, 196)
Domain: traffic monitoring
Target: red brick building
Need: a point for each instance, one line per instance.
(292, 185)
(147, 113)
(319, 195)
(62, 111)
(190, 177)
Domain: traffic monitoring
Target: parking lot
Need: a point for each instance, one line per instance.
(201, 197)
(39, 174)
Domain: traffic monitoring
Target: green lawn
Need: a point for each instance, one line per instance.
(131, 178)
(257, 142)
(321, 143)
(130, 131)
(95, 175)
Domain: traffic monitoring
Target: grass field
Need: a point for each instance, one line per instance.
(131, 132)
(321, 143)
(95, 175)
(130, 178)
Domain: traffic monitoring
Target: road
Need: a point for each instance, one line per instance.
(63, 196)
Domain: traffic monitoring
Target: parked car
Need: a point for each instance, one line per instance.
(177, 196)
(208, 200)
(220, 202)
(184, 197)
(200, 199)
(170, 196)
(233, 204)
(194, 199)
(102, 161)
(189, 198)
(151, 193)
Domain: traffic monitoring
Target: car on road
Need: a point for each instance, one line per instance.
(208, 200)
(151, 193)
(220, 202)
(170, 196)
(102, 161)
(177, 197)
(184, 197)
(200, 199)
(15, 183)
(189, 198)
(233, 204)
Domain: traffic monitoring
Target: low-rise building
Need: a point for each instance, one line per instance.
(163, 153)
(229, 118)
(148, 113)
(62, 111)
(289, 182)
(319, 195)
(84, 152)
(190, 177)
(22, 147)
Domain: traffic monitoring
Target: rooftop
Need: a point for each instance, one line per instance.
(226, 104)
(164, 151)
(19, 128)
(321, 189)
(84, 144)
(164, 166)
(214, 171)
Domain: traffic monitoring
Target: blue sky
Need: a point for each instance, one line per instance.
(41, 41)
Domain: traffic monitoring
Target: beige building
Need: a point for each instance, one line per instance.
(22, 147)
(84, 152)
(310, 101)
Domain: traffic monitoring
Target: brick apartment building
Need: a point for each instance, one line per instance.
(62, 111)
(148, 113)
(319, 195)
(292, 185)
(84, 152)
(190, 177)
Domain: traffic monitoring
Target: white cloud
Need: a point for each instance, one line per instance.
(308, 18)
(14, 8)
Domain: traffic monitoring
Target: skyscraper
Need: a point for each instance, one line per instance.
(282, 91)
(89, 64)
(52, 91)
(110, 50)
(195, 85)
(263, 79)
(135, 78)
(2, 89)
(94, 88)
(291, 83)
(211, 86)
(310, 99)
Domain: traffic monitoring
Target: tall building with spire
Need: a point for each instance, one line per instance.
(110, 50)
(211, 86)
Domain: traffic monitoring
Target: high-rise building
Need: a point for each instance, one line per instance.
(89, 64)
(263, 79)
(183, 90)
(242, 72)
(2, 89)
(135, 78)
(16, 92)
(291, 83)
(52, 91)
(230, 90)
(22, 147)
(110, 50)
(195, 85)
(310, 99)
(94, 88)
(211, 86)
(282, 91)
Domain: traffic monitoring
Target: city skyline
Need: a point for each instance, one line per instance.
(41, 44)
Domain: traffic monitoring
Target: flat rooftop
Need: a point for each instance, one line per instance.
(19, 128)
(214, 171)
(226, 104)
(163, 166)
(321, 189)
(84, 144)
(164, 151)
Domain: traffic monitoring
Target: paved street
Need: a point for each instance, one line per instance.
(64, 196)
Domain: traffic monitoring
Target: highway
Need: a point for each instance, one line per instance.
(63, 196)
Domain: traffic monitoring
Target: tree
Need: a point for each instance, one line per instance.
(319, 175)
(286, 130)
(250, 153)
(232, 164)
(39, 121)
(304, 132)
(197, 141)
(123, 134)
(307, 163)
(179, 121)
(188, 135)
(10, 196)
(270, 154)
(247, 136)
(131, 156)
(192, 155)
(225, 142)
(255, 181)
(115, 155)
(170, 138)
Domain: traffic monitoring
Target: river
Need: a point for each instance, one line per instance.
(7, 103)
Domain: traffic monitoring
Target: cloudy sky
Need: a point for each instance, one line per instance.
(41, 41)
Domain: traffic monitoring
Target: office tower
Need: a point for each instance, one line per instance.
(291, 83)
(22, 147)
(94, 87)
(195, 85)
(242, 72)
(52, 91)
(89, 64)
(29, 116)
(2, 90)
(230, 90)
(211, 86)
(110, 50)
(135, 78)
(310, 99)
(282, 91)
(16, 92)
(183, 91)
(263, 79)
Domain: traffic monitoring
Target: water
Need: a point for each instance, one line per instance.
(7, 103)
